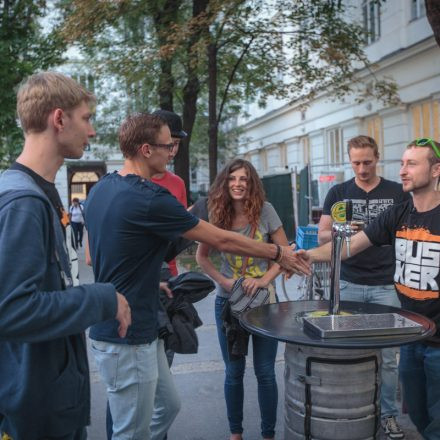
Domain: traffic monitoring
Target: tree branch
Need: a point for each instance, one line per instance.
(231, 78)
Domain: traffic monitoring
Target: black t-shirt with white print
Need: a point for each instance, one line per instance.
(415, 237)
(374, 266)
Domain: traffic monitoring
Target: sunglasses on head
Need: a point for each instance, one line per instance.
(422, 142)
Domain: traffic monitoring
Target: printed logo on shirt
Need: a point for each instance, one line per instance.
(369, 211)
(417, 263)
(236, 263)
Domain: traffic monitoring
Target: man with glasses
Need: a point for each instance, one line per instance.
(130, 222)
(368, 277)
(413, 229)
(176, 186)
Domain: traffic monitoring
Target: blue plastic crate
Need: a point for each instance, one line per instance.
(306, 237)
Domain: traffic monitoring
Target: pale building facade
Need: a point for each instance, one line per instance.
(284, 136)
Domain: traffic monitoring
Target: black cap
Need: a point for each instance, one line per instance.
(174, 122)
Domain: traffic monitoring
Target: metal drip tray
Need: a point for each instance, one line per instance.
(346, 326)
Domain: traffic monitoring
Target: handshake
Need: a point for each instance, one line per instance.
(294, 262)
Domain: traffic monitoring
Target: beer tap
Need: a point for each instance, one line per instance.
(342, 230)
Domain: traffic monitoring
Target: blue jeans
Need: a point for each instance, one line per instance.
(385, 295)
(264, 354)
(420, 375)
(138, 380)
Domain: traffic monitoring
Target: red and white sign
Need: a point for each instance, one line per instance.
(327, 178)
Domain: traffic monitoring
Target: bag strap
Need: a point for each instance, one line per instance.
(13, 195)
(246, 260)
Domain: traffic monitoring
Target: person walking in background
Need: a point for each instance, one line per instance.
(368, 277)
(44, 373)
(236, 202)
(413, 229)
(76, 216)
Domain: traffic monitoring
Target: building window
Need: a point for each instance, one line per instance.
(374, 130)
(418, 9)
(255, 161)
(371, 17)
(335, 151)
(425, 120)
(263, 160)
(305, 147)
(77, 187)
(273, 158)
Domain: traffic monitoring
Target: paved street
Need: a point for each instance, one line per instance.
(199, 379)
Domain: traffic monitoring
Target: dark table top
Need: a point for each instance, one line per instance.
(284, 322)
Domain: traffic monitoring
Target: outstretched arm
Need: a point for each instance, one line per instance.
(237, 244)
(325, 229)
(359, 242)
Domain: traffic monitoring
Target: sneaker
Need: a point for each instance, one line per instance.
(391, 428)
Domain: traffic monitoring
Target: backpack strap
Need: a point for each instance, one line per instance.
(12, 195)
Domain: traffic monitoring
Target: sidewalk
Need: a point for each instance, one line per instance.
(199, 380)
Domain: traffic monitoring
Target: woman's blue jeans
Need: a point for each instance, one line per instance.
(264, 354)
(419, 369)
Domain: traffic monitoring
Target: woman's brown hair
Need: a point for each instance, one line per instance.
(221, 210)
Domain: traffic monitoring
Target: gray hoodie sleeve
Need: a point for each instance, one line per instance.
(33, 307)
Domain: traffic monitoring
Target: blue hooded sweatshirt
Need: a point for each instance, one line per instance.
(44, 375)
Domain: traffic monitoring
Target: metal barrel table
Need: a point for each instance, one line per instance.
(332, 382)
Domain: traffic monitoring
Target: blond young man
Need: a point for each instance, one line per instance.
(44, 376)
(413, 229)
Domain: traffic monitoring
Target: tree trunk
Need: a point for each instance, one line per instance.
(163, 19)
(212, 105)
(190, 95)
(166, 85)
(433, 15)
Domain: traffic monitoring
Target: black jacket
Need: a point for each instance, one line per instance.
(177, 317)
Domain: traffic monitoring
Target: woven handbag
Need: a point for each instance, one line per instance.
(240, 302)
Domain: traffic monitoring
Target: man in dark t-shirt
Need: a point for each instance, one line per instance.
(412, 228)
(368, 277)
(130, 222)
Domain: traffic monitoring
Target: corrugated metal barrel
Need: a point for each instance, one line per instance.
(331, 394)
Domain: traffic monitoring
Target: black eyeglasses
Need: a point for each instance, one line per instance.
(421, 142)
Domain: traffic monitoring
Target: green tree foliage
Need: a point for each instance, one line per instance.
(433, 15)
(215, 55)
(23, 50)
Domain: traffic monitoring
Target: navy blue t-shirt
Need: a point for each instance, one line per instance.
(375, 265)
(130, 222)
